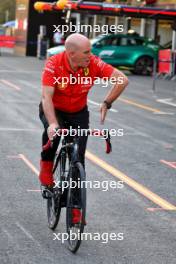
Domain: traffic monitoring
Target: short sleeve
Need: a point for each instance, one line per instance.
(102, 69)
(49, 72)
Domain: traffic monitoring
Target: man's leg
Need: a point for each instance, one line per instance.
(47, 156)
(81, 120)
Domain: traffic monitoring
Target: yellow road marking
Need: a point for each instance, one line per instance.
(118, 174)
(139, 105)
(132, 183)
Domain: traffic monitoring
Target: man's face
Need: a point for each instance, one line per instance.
(81, 57)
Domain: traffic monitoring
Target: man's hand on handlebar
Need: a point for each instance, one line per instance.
(51, 131)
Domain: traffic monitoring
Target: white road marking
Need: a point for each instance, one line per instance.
(95, 103)
(171, 164)
(20, 71)
(163, 113)
(29, 164)
(29, 84)
(134, 82)
(15, 87)
(27, 234)
(20, 101)
(34, 190)
(167, 101)
(8, 234)
(13, 157)
(133, 134)
(19, 129)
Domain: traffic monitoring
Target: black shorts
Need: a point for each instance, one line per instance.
(79, 119)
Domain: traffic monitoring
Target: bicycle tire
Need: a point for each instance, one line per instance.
(54, 202)
(81, 204)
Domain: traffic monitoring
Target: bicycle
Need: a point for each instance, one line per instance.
(68, 168)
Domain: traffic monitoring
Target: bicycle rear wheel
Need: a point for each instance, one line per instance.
(76, 199)
(54, 201)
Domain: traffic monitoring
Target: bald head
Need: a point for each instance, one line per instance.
(76, 41)
(78, 50)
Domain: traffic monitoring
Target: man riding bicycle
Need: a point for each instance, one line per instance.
(66, 101)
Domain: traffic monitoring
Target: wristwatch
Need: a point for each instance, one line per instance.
(108, 105)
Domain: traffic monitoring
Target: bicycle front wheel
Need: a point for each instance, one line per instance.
(76, 203)
(54, 201)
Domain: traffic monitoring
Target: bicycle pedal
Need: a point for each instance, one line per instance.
(46, 193)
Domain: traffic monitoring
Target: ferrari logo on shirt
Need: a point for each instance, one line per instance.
(62, 86)
(86, 71)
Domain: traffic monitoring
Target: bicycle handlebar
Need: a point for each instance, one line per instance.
(64, 131)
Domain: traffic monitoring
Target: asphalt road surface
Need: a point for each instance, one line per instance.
(141, 213)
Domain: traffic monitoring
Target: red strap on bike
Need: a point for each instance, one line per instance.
(47, 145)
(108, 143)
(108, 147)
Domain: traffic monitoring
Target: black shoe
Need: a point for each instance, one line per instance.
(47, 191)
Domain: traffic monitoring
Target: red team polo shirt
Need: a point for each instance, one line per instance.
(71, 88)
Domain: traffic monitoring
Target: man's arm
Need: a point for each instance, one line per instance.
(48, 108)
(114, 93)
